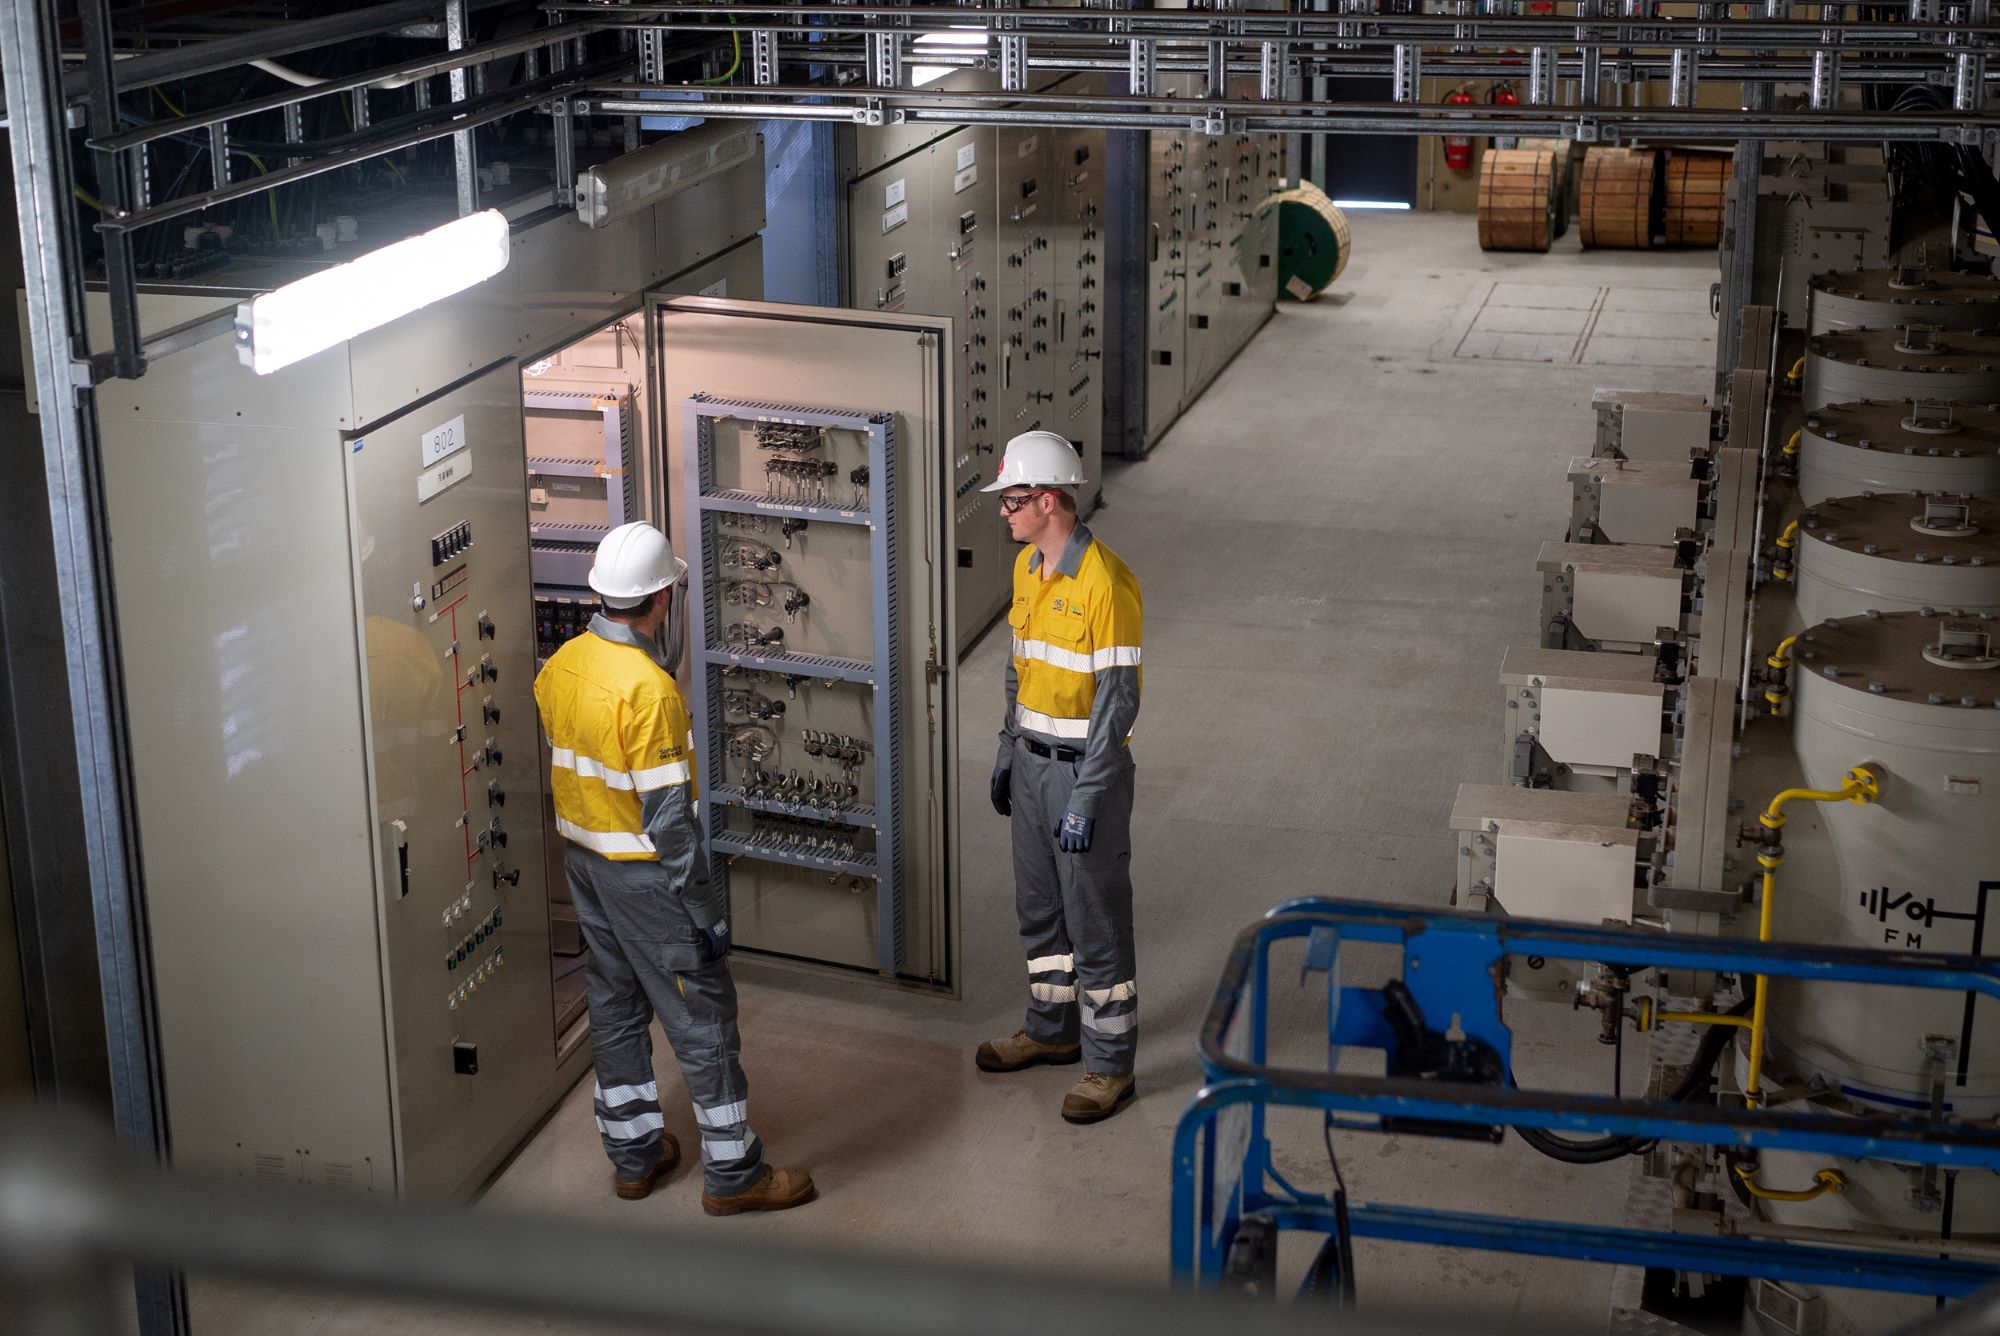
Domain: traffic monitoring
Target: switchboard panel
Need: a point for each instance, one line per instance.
(1166, 245)
(1079, 299)
(816, 449)
(330, 645)
(457, 771)
(923, 237)
(330, 641)
(1190, 235)
(1002, 230)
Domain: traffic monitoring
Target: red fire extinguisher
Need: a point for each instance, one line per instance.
(1458, 148)
(1502, 95)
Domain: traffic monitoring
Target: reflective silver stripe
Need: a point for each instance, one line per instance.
(1117, 992)
(1041, 964)
(726, 1150)
(1043, 651)
(1053, 992)
(627, 1094)
(631, 1129)
(1049, 724)
(722, 1115)
(1118, 656)
(1110, 1024)
(609, 842)
(658, 777)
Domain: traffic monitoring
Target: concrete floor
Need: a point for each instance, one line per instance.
(1336, 545)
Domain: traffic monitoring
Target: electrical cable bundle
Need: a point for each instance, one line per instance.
(1603, 1150)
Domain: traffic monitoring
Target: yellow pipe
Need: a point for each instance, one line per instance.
(1858, 786)
(1798, 370)
(1825, 1181)
(1777, 693)
(1792, 446)
(1701, 1018)
(1788, 538)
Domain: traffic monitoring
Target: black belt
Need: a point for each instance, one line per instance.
(1060, 753)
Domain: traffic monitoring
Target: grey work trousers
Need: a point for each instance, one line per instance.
(646, 958)
(1076, 915)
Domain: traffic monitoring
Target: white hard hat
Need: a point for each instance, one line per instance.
(633, 562)
(1038, 459)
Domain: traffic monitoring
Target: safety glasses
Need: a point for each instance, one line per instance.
(1011, 504)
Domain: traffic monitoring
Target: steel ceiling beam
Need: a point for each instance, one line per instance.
(1221, 116)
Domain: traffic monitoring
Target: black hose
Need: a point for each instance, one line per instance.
(1603, 1150)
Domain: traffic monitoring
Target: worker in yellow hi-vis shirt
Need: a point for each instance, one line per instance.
(1065, 777)
(621, 761)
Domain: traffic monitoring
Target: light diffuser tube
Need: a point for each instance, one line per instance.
(333, 306)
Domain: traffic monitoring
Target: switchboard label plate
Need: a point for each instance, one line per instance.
(448, 474)
(445, 440)
(895, 192)
(895, 218)
(965, 180)
(1028, 146)
(967, 156)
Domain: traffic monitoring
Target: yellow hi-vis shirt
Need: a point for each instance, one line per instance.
(617, 729)
(1068, 628)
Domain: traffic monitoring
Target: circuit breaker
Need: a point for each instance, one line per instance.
(814, 450)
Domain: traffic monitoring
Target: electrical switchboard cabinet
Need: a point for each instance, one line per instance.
(1079, 295)
(328, 645)
(1000, 229)
(923, 238)
(1190, 236)
(815, 447)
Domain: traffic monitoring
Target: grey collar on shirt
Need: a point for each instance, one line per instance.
(1071, 560)
(618, 633)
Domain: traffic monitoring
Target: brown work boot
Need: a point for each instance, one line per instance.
(635, 1189)
(1096, 1097)
(778, 1190)
(1018, 1051)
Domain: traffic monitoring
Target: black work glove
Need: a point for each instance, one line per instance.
(1075, 832)
(1001, 789)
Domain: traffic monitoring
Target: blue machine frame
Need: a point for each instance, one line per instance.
(1452, 964)
(882, 675)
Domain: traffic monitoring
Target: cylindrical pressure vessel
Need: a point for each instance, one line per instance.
(1907, 362)
(1916, 699)
(1907, 294)
(1898, 552)
(1899, 445)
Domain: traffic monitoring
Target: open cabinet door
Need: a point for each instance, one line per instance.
(807, 457)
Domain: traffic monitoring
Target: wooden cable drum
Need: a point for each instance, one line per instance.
(1619, 188)
(1697, 184)
(1560, 148)
(1313, 241)
(1517, 199)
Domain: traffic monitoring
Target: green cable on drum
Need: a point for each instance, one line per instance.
(1313, 242)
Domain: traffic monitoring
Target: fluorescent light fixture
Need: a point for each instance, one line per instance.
(1369, 204)
(337, 304)
(967, 35)
(640, 180)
